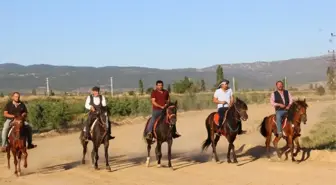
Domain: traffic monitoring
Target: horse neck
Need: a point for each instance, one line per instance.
(292, 113)
(231, 115)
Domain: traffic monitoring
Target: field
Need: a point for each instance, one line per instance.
(57, 159)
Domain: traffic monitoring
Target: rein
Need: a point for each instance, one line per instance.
(169, 116)
(230, 127)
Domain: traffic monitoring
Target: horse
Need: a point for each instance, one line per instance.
(98, 133)
(235, 113)
(17, 144)
(162, 131)
(290, 125)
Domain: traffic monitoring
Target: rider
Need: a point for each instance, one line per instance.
(12, 108)
(94, 102)
(281, 100)
(159, 98)
(223, 97)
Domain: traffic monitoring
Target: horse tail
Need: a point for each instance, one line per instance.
(263, 130)
(144, 134)
(207, 142)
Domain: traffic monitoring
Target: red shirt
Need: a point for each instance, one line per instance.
(161, 98)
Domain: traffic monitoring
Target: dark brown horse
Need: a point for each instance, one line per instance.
(236, 113)
(17, 144)
(98, 134)
(290, 125)
(162, 133)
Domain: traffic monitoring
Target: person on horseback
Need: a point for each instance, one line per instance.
(223, 97)
(16, 107)
(159, 98)
(281, 100)
(94, 102)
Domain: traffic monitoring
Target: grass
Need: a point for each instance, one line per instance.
(323, 135)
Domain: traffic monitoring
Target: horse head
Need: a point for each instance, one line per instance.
(297, 113)
(18, 122)
(170, 112)
(241, 108)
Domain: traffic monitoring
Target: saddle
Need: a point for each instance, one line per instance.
(216, 121)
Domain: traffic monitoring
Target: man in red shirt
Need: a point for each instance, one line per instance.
(160, 99)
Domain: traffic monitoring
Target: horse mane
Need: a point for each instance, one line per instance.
(242, 103)
(164, 111)
(293, 107)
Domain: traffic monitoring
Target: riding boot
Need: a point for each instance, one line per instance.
(175, 134)
(29, 134)
(109, 131)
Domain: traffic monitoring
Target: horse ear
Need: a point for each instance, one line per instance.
(304, 99)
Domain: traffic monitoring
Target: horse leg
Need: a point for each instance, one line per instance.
(158, 153)
(96, 158)
(233, 150)
(8, 157)
(25, 153)
(268, 143)
(213, 145)
(19, 163)
(298, 147)
(229, 153)
(106, 146)
(275, 143)
(84, 144)
(15, 161)
(291, 146)
(149, 144)
(170, 143)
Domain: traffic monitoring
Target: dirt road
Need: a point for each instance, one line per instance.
(57, 160)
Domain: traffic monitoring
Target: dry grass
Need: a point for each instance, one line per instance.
(323, 135)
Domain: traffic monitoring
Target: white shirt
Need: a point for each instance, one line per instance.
(96, 101)
(222, 95)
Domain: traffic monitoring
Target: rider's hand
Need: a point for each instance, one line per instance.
(287, 108)
(162, 107)
(92, 109)
(282, 105)
(24, 114)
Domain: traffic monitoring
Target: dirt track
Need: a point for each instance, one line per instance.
(57, 160)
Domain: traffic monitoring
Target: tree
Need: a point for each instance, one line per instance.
(149, 90)
(34, 92)
(2, 94)
(131, 93)
(311, 86)
(320, 90)
(235, 84)
(168, 88)
(52, 93)
(183, 86)
(331, 80)
(203, 88)
(141, 87)
(316, 86)
(219, 75)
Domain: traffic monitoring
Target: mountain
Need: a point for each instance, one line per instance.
(255, 75)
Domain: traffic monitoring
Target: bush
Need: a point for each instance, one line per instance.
(320, 90)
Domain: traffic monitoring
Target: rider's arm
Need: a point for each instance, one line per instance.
(87, 103)
(290, 97)
(6, 115)
(272, 100)
(25, 111)
(216, 101)
(103, 101)
(231, 99)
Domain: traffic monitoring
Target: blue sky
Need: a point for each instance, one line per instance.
(163, 33)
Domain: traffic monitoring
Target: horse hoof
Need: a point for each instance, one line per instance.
(25, 166)
(159, 166)
(83, 161)
(18, 174)
(147, 161)
(235, 161)
(108, 168)
(229, 161)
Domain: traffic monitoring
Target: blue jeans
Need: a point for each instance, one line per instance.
(279, 114)
(155, 115)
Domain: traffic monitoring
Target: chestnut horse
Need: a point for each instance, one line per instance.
(236, 113)
(17, 144)
(162, 130)
(290, 127)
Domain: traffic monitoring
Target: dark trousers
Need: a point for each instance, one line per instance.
(221, 111)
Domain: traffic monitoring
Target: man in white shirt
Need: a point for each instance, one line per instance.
(94, 102)
(223, 97)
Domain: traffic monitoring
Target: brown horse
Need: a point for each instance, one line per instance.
(162, 133)
(290, 126)
(17, 144)
(236, 113)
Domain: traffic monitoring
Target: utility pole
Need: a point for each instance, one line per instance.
(48, 90)
(111, 80)
(234, 85)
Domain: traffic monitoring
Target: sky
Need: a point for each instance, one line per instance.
(163, 33)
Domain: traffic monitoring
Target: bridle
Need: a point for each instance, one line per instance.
(169, 116)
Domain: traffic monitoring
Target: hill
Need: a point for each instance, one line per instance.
(255, 75)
